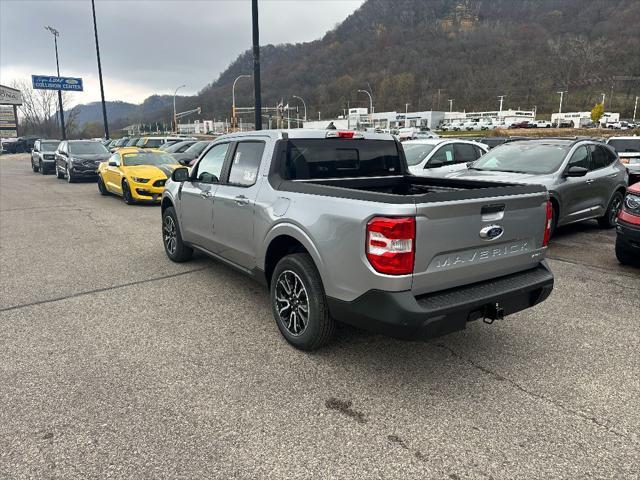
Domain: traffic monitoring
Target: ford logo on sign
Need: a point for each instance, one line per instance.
(71, 81)
(492, 232)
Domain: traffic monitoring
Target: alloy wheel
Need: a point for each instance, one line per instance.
(170, 235)
(292, 302)
(615, 208)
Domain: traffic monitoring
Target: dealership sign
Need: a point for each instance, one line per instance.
(10, 96)
(45, 82)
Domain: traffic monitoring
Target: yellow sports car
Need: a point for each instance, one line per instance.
(136, 174)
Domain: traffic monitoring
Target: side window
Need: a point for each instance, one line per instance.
(599, 157)
(479, 151)
(115, 158)
(246, 161)
(183, 148)
(36, 146)
(580, 158)
(464, 153)
(443, 156)
(209, 167)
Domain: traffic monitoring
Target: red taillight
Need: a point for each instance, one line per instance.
(390, 244)
(548, 224)
(343, 134)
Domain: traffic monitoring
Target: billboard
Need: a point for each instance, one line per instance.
(10, 96)
(8, 122)
(45, 82)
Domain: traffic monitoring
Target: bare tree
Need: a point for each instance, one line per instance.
(39, 110)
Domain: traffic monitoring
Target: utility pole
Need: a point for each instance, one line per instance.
(55, 34)
(451, 104)
(438, 107)
(104, 106)
(501, 98)
(603, 97)
(256, 66)
(561, 97)
(406, 114)
(635, 108)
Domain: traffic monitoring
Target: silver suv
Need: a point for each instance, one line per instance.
(584, 177)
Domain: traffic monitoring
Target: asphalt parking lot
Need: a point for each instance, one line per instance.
(117, 363)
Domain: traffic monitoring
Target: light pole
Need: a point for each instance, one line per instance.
(256, 65)
(104, 106)
(406, 115)
(501, 98)
(175, 120)
(233, 99)
(603, 97)
(451, 104)
(370, 104)
(55, 34)
(635, 108)
(303, 104)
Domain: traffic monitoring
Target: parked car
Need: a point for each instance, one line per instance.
(492, 142)
(178, 147)
(520, 124)
(131, 142)
(439, 156)
(564, 124)
(191, 153)
(155, 142)
(457, 126)
(628, 228)
(416, 256)
(19, 145)
(541, 124)
(584, 177)
(472, 125)
(628, 149)
(43, 155)
(137, 175)
(79, 159)
(446, 126)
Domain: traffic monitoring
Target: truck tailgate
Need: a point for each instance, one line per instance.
(467, 241)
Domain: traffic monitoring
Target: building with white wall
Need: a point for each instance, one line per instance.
(581, 119)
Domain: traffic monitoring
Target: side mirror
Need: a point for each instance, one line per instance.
(113, 164)
(434, 164)
(180, 174)
(184, 161)
(576, 172)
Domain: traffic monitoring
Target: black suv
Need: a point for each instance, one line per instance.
(76, 159)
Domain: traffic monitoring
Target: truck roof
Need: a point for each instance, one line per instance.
(303, 133)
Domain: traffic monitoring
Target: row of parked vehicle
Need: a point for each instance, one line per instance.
(488, 124)
(271, 203)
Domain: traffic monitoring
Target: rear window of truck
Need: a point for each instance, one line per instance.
(341, 158)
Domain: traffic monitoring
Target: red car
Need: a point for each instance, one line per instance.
(628, 227)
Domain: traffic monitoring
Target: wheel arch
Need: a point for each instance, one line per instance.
(283, 240)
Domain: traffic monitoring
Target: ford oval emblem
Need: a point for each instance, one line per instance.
(492, 232)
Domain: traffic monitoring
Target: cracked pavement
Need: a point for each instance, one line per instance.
(117, 363)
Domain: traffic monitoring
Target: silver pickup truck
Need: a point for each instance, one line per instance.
(339, 231)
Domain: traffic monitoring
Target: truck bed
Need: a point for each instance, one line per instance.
(404, 188)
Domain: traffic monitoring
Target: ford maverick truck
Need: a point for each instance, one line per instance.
(339, 231)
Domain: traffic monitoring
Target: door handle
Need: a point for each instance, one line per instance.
(589, 181)
(241, 200)
(205, 194)
(613, 175)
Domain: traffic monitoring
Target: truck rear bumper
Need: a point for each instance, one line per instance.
(402, 315)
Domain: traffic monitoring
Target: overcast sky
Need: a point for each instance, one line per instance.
(150, 47)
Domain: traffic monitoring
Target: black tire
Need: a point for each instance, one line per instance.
(34, 167)
(59, 174)
(70, 177)
(102, 187)
(126, 193)
(319, 327)
(177, 251)
(608, 220)
(624, 256)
